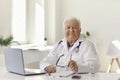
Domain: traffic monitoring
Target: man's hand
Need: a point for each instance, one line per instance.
(50, 69)
(73, 65)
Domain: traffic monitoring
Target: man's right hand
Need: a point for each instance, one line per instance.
(50, 69)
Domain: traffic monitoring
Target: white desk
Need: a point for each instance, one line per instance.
(4, 75)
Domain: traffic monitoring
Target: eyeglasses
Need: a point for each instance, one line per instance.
(59, 59)
(66, 66)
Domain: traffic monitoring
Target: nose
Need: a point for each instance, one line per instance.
(71, 28)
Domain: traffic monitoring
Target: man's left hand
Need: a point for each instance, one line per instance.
(73, 65)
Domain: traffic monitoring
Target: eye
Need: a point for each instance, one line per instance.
(67, 27)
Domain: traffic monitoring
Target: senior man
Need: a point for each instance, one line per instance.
(73, 51)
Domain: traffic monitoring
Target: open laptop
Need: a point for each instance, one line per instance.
(15, 62)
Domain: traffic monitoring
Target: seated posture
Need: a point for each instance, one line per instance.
(73, 51)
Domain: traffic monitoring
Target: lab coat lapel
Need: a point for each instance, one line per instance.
(74, 46)
(65, 45)
(76, 43)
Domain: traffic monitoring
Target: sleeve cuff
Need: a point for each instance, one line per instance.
(43, 66)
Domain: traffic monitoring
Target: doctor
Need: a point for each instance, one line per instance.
(73, 51)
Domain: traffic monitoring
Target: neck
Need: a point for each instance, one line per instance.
(71, 43)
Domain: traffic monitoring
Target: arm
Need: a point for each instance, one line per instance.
(90, 59)
(48, 63)
(49, 60)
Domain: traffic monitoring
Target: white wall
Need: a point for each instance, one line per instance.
(5, 16)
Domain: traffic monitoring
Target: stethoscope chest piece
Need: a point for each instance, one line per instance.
(77, 50)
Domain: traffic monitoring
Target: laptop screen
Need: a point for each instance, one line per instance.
(15, 62)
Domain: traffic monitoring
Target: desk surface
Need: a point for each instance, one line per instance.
(4, 75)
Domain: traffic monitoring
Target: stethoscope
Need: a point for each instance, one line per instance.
(77, 50)
(77, 47)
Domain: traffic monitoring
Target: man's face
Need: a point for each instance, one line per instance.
(72, 30)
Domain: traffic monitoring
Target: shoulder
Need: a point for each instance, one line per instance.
(58, 44)
(87, 42)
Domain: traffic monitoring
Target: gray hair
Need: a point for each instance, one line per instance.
(71, 18)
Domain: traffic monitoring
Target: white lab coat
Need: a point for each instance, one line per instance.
(85, 57)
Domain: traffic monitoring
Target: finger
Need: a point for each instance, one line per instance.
(53, 69)
(70, 62)
(73, 66)
(47, 69)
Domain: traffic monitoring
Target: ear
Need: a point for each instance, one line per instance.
(80, 30)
